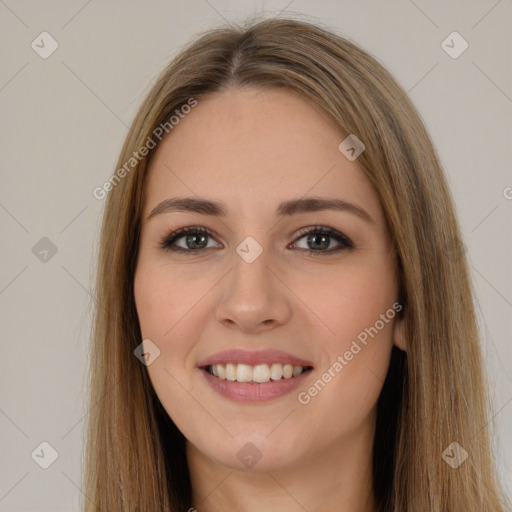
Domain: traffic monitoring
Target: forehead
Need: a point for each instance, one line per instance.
(253, 148)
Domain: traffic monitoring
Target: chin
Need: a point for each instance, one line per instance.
(255, 453)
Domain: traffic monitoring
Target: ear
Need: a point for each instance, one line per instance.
(399, 333)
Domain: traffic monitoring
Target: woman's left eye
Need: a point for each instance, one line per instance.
(321, 237)
(318, 239)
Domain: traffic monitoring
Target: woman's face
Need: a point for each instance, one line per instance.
(300, 325)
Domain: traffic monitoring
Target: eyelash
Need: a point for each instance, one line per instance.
(168, 241)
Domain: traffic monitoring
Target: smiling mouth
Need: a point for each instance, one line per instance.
(255, 374)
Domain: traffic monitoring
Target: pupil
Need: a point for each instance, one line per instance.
(190, 239)
(324, 237)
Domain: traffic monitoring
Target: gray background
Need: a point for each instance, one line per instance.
(63, 122)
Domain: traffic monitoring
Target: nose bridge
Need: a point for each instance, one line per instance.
(251, 275)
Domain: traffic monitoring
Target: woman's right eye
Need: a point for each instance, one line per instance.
(195, 239)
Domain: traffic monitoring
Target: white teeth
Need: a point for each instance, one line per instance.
(276, 371)
(243, 373)
(259, 373)
(231, 372)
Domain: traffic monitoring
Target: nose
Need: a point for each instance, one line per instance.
(254, 297)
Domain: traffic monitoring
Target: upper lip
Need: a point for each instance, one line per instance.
(253, 357)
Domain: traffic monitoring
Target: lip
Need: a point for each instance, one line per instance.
(246, 392)
(253, 357)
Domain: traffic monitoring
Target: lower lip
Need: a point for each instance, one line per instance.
(254, 393)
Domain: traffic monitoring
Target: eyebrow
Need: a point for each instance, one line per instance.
(205, 206)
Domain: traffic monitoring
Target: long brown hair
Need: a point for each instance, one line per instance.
(434, 394)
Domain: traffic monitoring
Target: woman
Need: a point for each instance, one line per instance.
(286, 317)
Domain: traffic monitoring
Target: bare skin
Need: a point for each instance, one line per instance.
(251, 150)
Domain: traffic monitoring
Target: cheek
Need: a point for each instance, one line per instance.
(357, 306)
(162, 302)
(348, 300)
(172, 309)
(163, 299)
